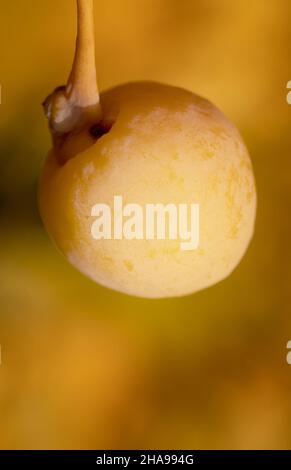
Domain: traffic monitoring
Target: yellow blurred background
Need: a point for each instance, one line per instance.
(84, 367)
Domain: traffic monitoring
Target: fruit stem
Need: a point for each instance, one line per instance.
(82, 83)
(78, 104)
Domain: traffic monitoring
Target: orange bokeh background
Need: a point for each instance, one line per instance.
(84, 367)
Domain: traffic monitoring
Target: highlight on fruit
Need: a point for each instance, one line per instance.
(149, 144)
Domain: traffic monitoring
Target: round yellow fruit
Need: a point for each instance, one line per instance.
(155, 144)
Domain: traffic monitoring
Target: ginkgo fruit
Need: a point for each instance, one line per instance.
(150, 144)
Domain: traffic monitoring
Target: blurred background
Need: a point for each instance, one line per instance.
(84, 367)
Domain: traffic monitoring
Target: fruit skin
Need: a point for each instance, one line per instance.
(166, 145)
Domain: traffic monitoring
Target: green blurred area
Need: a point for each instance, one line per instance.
(85, 367)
